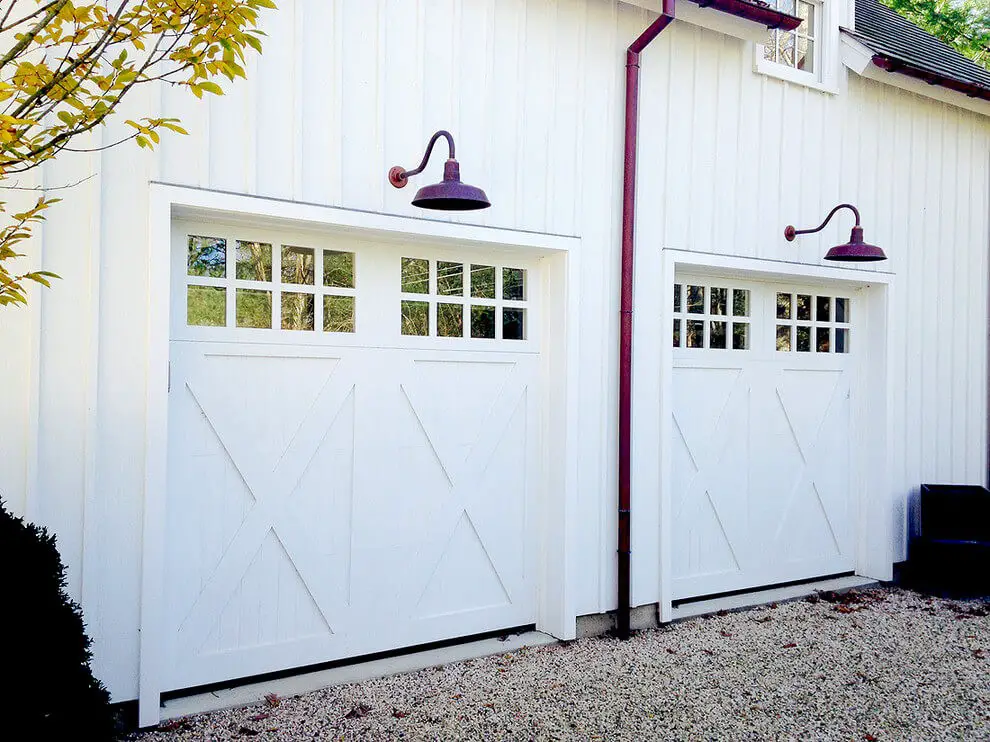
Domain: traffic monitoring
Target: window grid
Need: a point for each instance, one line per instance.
(713, 317)
(452, 299)
(250, 282)
(798, 48)
(812, 323)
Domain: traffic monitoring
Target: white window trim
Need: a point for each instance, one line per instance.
(825, 76)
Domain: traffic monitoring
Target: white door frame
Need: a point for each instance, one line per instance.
(652, 427)
(555, 593)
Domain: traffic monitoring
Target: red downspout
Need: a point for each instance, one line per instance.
(626, 303)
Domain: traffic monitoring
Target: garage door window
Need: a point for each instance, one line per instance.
(451, 299)
(265, 286)
(812, 323)
(713, 317)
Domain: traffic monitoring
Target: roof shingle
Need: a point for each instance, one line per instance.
(896, 39)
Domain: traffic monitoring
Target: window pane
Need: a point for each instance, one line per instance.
(804, 307)
(841, 310)
(696, 299)
(785, 48)
(822, 339)
(450, 320)
(740, 336)
(206, 306)
(338, 313)
(297, 266)
(823, 309)
(450, 278)
(298, 311)
(677, 333)
(805, 55)
(207, 257)
(807, 12)
(338, 270)
(740, 302)
(254, 308)
(783, 337)
(770, 48)
(841, 340)
(415, 278)
(514, 284)
(718, 301)
(483, 281)
(254, 261)
(785, 6)
(677, 297)
(804, 339)
(695, 334)
(513, 324)
(415, 318)
(783, 306)
(482, 322)
(716, 335)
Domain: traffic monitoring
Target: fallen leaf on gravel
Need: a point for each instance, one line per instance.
(272, 699)
(358, 712)
(707, 651)
(726, 634)
(812, 599)
(869, 737)
(259, 717)
(764, 619)
(791, 645)
(978, 653)
(247, 731)
(773, 606)
(847, 608)
(722, 612)
(670, 650)
(399, 714)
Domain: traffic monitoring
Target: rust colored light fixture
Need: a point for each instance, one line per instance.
(855, 250)
(450, 194)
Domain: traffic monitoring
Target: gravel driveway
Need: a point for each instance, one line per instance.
(882, 664)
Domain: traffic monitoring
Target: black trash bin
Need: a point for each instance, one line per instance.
(951, 551)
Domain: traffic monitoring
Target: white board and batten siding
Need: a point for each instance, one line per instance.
(533, 94)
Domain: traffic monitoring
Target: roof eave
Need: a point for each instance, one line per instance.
(893, 64)
(751, 11)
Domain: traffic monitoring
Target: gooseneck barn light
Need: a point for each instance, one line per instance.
(450, 194)
(855, 250)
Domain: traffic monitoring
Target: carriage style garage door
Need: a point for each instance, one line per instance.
(761, 467)
(352, 438)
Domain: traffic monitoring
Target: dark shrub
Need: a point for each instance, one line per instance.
(47, 686)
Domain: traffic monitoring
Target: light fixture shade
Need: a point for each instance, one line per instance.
(451, 194)
(855, 250)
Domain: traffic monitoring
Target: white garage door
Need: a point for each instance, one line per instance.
(353, 431)
(761, 434)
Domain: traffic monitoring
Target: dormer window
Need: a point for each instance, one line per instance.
(797, 49)
(806, 55)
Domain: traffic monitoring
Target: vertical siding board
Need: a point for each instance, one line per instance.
(319, 82)
(473, 92)
(504, 105)
(701, 214)
(680, 157)
(403, 135)
(534, 134)
(727, 147)
(276, 125)
(961, 298)
(927, 293)
(947, 304)
(361, 162)
(599, 193)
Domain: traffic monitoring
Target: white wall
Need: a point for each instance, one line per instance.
(532, 91)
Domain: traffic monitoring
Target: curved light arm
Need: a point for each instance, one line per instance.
(790, 233)
(398, 176)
